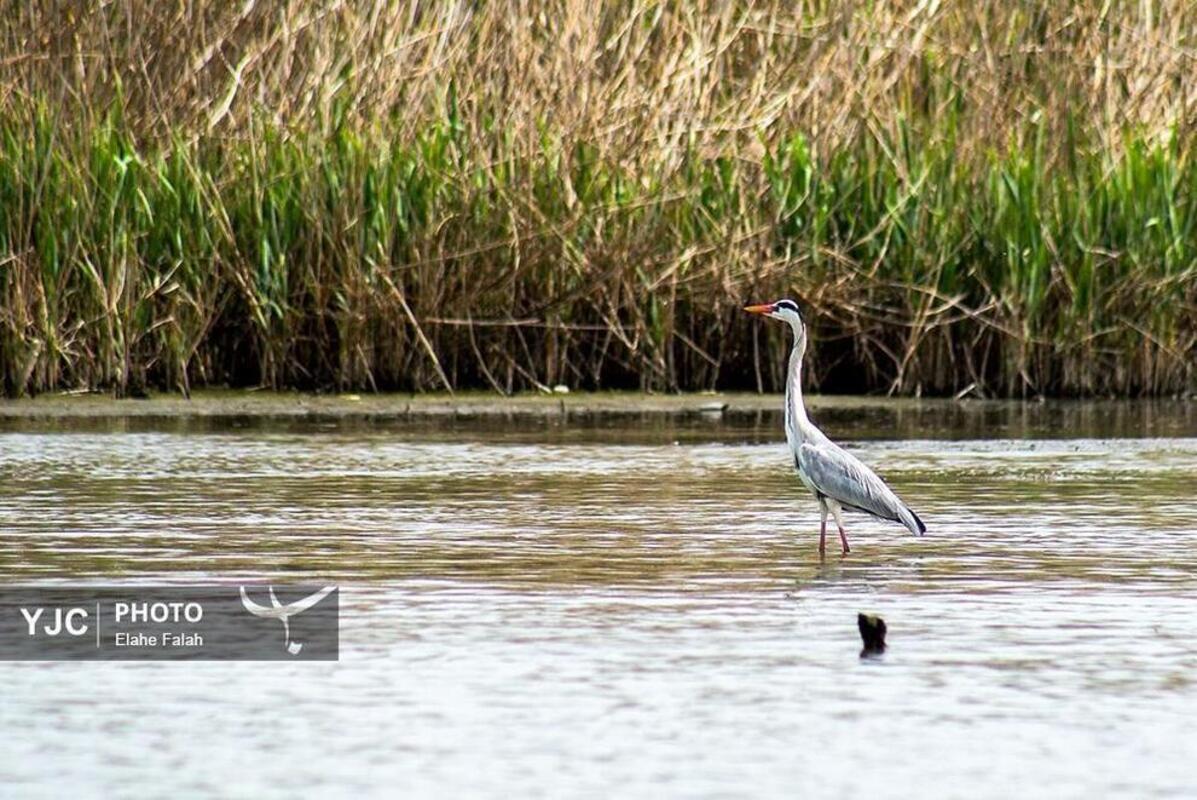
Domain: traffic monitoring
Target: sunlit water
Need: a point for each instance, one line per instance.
(625, 607)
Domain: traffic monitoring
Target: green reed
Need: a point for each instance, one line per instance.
(356, 260)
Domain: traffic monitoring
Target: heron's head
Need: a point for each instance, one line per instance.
(785, 310)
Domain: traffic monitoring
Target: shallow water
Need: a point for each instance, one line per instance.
(627, 605)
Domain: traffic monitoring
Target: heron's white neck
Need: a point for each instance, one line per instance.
(798, 425)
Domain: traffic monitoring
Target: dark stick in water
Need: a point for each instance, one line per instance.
(872, 633)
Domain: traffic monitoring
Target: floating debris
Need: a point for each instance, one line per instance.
(872, 634)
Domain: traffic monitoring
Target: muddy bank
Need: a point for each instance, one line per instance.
(261, 403)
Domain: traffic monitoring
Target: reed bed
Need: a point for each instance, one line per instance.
(997, 201)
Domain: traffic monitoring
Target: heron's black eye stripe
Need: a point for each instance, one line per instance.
(786, 304)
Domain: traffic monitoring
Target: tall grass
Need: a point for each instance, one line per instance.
(380, 195)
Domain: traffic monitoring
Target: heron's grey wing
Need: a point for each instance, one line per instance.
(841, 476)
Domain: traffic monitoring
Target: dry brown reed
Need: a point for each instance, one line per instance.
(996, 199)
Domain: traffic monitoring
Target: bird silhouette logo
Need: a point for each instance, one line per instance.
(277, 610)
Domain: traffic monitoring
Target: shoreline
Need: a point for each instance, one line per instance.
(261, 403)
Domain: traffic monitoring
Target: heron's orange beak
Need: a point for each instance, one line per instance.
(761, 309)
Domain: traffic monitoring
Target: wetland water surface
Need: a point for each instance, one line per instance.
(624, 606)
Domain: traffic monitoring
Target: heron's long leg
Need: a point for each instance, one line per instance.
(839, 523)
(823, 531)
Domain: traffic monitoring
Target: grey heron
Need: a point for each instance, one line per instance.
(837, 478)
